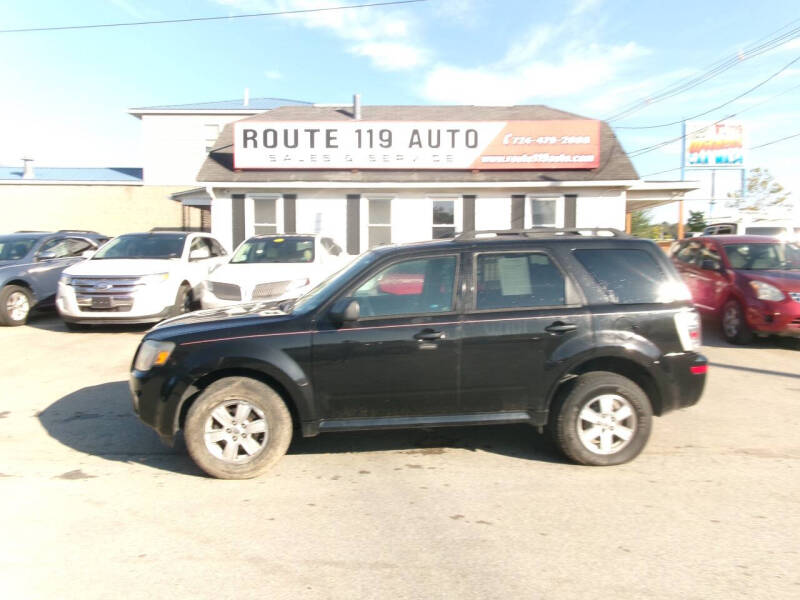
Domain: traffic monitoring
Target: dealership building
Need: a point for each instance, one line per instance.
(371, 175)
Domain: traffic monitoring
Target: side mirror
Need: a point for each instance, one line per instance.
(198, 255)
(710, 265)
(344, 311)
(46, 256)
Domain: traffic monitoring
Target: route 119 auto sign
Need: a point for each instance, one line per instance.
(469, 145)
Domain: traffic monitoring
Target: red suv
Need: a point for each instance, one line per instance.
(751, 282)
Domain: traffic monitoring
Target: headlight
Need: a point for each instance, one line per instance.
(65, 280)
(766, 291)
(151, 279)
(298, 283)
(152, 354)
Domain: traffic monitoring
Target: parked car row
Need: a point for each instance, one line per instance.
(146, 277)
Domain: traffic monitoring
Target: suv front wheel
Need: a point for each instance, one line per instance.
(604, 420)
(237, 428)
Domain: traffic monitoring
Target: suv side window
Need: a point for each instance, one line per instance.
(629, 276)
(517, 280)
(66, 247)
(417, 286)
(709, 259)
(689, 254)
(216, 248)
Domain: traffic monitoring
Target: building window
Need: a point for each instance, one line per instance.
(379, 225)
(544, 212)
(211, 131)
(265, 215)
(444, 218)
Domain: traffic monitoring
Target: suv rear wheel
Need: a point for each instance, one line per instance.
(238, 428)
(604, 420)
(15, 305)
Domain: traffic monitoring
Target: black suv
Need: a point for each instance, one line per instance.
(585, 332)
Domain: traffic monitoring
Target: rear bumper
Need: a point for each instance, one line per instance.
(686, 377)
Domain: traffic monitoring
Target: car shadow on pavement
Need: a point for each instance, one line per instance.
(517, 441)
(99, 420)
(48, 321)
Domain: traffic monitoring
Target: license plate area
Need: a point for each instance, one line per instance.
(101, 302)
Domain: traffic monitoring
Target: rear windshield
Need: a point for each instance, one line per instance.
(627, 276)
(286, 249)
(14, 248)
(143, 245)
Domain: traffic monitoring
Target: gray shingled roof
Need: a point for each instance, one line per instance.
(614, 163)
(253, 104)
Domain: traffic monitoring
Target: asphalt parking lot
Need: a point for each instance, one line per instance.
(93, 506)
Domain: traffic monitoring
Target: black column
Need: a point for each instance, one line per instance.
(237, 219)
(290, 213)
(570, 210)
(353, 223)
(468, 212)
(518, 211)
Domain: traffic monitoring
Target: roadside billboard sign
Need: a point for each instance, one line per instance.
(714, 145)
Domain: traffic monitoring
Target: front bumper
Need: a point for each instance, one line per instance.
(147, 305)
(157, 397)
(774, 318)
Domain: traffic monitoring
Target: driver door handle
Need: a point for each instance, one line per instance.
(560, 327)
(429, 335)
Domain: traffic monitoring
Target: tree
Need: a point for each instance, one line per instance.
(697, 221)
(762, 192)
(640, 223)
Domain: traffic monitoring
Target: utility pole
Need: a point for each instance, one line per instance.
(683, 178)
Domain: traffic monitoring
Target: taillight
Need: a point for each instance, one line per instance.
(687, 322)
(698, 369)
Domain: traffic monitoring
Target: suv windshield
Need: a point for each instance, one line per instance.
(143, 245)
(760, 256)
(282, 249)
(14, 248)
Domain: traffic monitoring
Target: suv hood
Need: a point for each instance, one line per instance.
(786, 281)
(251, 274)
(122, 267)
(220, 318)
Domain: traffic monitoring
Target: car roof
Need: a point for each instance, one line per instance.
(738, 239)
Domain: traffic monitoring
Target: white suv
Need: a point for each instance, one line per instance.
(273, 267)
(138, 278)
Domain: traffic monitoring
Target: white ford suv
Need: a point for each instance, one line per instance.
(138, 278)
(273, 267)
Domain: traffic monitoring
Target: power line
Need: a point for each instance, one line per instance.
(724, 104)
(717, 69)
(788, 137)
(198, 19)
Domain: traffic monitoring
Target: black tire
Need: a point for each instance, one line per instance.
(19, 314)
(734, 324)
(183, 301)
(228, 395)
(586, 394)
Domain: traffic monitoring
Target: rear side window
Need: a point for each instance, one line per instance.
(627, 276)
(518, 280)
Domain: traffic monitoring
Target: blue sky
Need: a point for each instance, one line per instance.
(66, 92)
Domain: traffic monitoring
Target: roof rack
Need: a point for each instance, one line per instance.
(542, 232)
(30, 231)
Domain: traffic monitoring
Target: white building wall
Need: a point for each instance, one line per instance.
(174, 146)
(325, 215)
(492, 212)
(601, 209)
(412, 218)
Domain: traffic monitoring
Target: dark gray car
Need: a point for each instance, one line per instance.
(30, 265)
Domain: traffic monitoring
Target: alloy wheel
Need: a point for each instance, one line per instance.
(606, 424)
(236, 431)
(18, 306)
